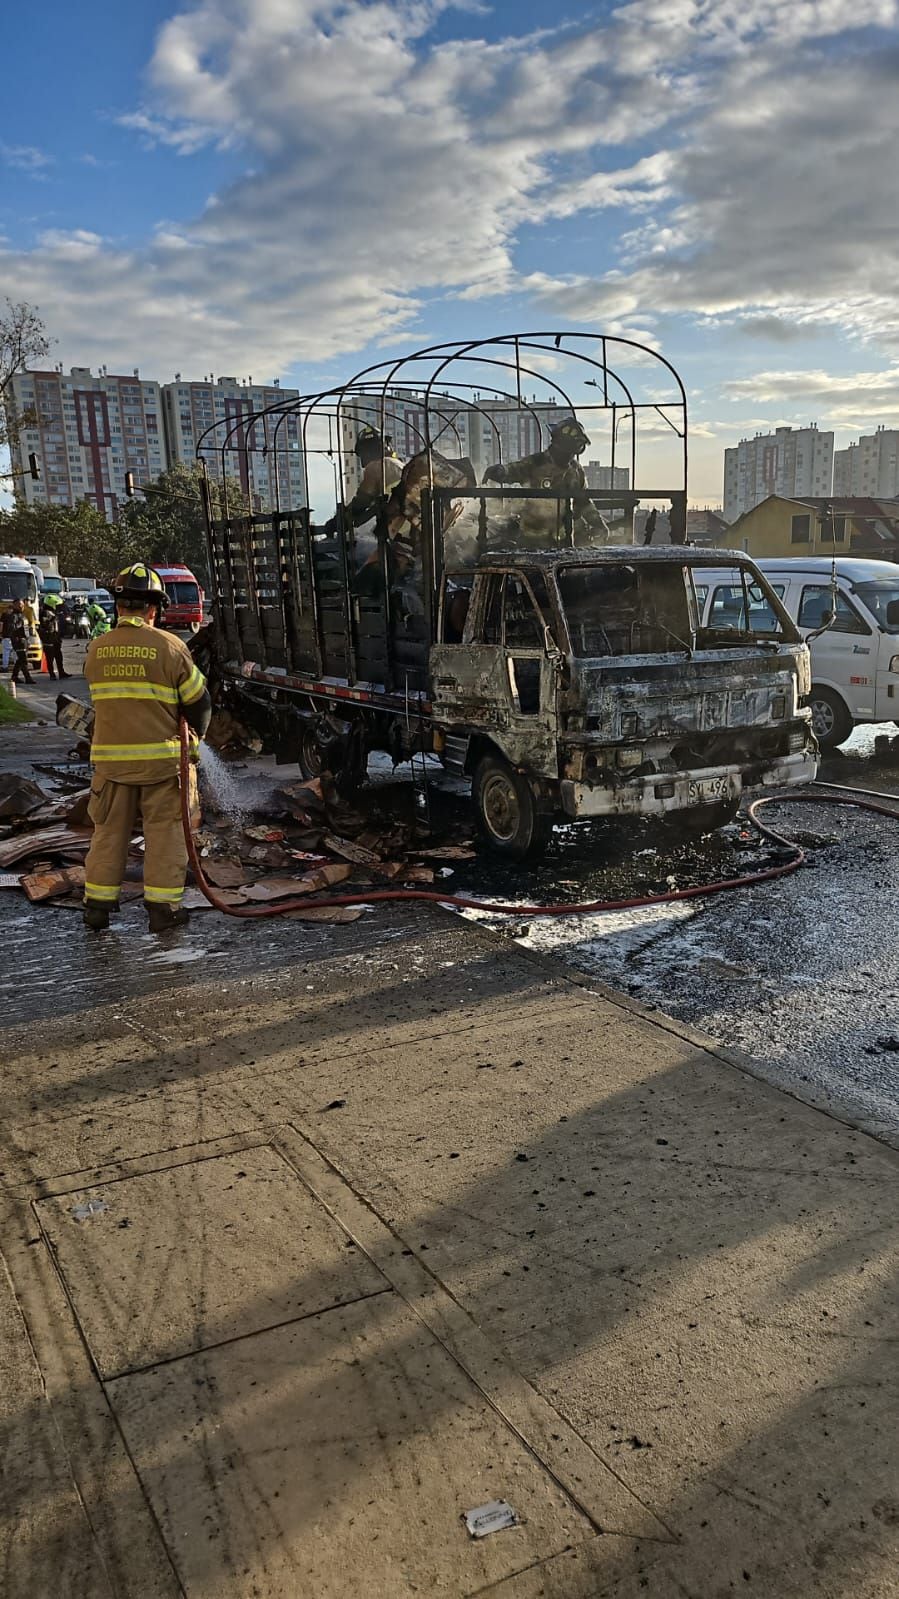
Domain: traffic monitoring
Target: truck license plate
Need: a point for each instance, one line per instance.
(705, 790)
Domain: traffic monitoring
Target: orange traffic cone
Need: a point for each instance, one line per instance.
(44, 666)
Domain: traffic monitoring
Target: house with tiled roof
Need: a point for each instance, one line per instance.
(815, 525)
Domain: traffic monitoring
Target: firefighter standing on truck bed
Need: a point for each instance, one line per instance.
(556, 468)
(142, 681)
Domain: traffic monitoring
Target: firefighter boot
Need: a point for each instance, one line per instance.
(96, 917)
(163, 918)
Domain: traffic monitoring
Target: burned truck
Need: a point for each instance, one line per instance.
(499, 616)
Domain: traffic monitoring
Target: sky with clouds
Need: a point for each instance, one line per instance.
(295, 187)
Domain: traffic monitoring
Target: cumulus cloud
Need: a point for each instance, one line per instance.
(25, 158)
(744, 149)
(847, 398)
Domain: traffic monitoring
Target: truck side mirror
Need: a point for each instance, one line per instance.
(893, 613)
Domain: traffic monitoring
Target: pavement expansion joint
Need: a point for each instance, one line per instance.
(224, 1343)
(593, 1483)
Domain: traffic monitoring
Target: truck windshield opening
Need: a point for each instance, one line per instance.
(624, 609)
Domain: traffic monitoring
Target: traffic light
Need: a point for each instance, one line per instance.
(129, 485)
(34, 467)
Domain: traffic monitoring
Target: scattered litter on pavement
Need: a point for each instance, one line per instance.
(311, 883)
(89, 1208)
(357, 853)
(48, 885)
(195, 900)
(492, 1517)
(418, 874)
(19, 796)
(225, 874)
(75, 775)
(53, 840)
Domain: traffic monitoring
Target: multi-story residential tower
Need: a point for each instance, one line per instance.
(606, 477)
(86, 432)
(870, 467)
(266, 459)
(789, 462)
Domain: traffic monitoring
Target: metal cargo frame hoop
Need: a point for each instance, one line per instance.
(260, 563)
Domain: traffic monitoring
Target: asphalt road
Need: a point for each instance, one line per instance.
(801, 974)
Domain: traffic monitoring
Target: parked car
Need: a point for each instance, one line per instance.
(848, 612)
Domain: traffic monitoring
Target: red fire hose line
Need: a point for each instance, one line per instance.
(434, 897)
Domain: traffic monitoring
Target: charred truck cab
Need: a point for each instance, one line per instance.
(479, 596)
(585, 686)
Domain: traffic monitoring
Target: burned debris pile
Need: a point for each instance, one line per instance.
(291, 840)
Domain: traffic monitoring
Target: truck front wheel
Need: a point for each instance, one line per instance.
(507, 809)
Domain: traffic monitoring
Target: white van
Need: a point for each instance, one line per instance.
(855, 660)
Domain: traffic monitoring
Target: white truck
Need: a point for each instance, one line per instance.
(18, 582)
(46, 570)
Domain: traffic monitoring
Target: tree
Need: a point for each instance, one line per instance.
(23, 339)
(167, 522)
(85, 544)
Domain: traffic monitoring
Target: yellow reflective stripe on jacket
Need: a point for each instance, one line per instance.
(136, 752)
(162, 896)
(121, 690)
(193, 688)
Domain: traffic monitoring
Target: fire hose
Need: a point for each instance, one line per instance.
(862, 799)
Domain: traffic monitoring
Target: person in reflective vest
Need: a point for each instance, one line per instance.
(98, 619)
(142, 681)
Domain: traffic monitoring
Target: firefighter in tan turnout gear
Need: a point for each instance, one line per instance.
(142, 681)
(556, 468)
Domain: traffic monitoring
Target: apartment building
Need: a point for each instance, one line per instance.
(86, 432)
(606, 477)
(870, 467)
(788, 462)
(265, 458)
(484, 429)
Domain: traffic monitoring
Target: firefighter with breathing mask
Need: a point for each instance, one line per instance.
(556, 468)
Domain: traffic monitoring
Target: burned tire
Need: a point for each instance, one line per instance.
(702, 818)
(506, 807)
(309, 756)
(831, 721)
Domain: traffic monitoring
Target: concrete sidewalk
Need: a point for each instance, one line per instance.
(310, 1254)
